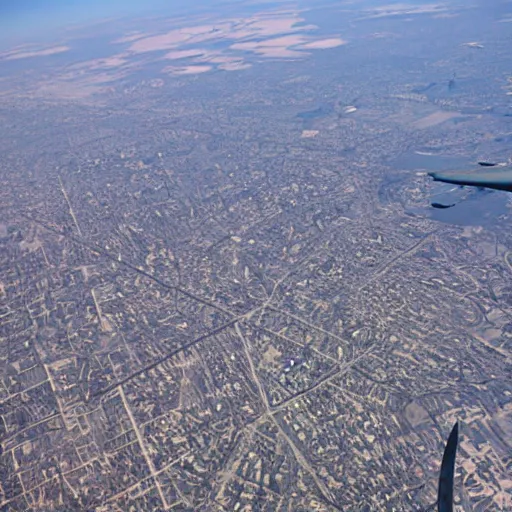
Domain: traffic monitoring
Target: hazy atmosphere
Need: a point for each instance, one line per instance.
(255, 255)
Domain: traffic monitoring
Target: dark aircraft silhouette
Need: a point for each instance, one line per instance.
(445, 489)
(497, 179)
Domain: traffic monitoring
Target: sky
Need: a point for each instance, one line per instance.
(26, 20)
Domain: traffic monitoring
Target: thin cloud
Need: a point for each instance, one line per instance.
(34, 53)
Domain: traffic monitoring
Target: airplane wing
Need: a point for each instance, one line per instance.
(495, 179)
